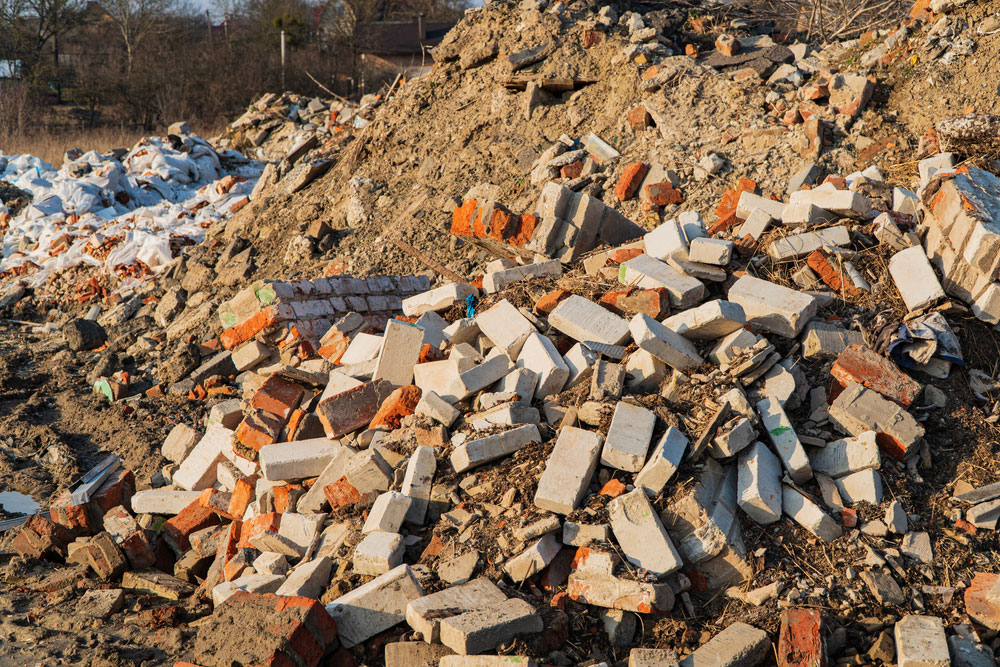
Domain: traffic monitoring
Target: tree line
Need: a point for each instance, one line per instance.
(149, 62)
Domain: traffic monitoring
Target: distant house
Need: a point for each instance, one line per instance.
(402, 47)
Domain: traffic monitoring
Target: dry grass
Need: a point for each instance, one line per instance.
(52, 145)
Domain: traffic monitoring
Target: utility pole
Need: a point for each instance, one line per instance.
(208, 21)
(282, 61)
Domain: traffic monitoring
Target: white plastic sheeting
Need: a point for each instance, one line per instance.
(138, 204)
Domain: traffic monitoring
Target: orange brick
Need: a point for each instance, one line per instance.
(259, 429)
(829, 274)
(630, 180)
(503, 223)
(277, 396)
(547, 302)
(690, 50)
(341, 493)
(613, 488)
(216, 501)
(639, 118)
(664, 194)
(194, 517)
(592, 37)
(243, 493)
(525, 228)
(284, 496)
(257, 525)
(399, 404)
(241, 333)
(461, 218)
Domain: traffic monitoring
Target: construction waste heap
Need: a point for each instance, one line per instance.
(624, 337)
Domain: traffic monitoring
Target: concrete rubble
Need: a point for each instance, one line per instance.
(631, 428)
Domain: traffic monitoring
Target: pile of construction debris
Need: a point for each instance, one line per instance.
(640, 434)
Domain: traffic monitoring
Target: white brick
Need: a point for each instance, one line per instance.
(506, 327)
(477, 452)
(668, 346)
(399, 353)
(250, 355)
(667, 240)
(162, 501)
(297, 460)
(568, 470)
(691, 224)
(739, 645)
(800, 245)
(759, 484)
(732, 439)
(433, 406)
(494, 368)
(487, 660)
(584, 535)
(601, 589)
(711, 320)
(271, 563)
(920, 642)
(915, 278)
(786, 442)
(749, 202)
(580, 361)
(652, 657)
(846, 203)
(433, 326)
(424, 614)
(378, 553)
(464, 330)
(640, 534)
(858, 409)
(650, 273)
(363, 347)
(806, 214)
(374, 607)
(387, 513)
(807, 514)
(707, 250)
(252, 583)
(484, 629)
(367, 471)
(727, 349)
(758, 223)
(417, 482)
(987, 305)
(534, 559)
(314, 499)
(628, 437)
(662, 463)
(644, 372)
(584, 321)
(773, 307)
(905, 201)
(301, 529)
(861, 485)
(307, 579)
(438, 299)
(540, 355)
(179, 443)
(520, 381)
(198, 470)
(842, 457)
(497, 280)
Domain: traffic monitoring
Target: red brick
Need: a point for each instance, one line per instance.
(352, 409)
(503, 224)
(977, 602)
(830, 274)
(259, 429)
(341, 493)
(572, 170)
(193, 517)
(257, 525)
(800, 642)
(860, 363)
(138, 551)
(243, 493)
(630, 180)
(433, 548)
(548, 301)
(40, 537)
(664, 194)
(400, 403)
(623, 255)
(592, 37)
(639, 118)
(74, 517)
(277, 396)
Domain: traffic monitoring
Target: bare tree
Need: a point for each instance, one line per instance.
(138, 20)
